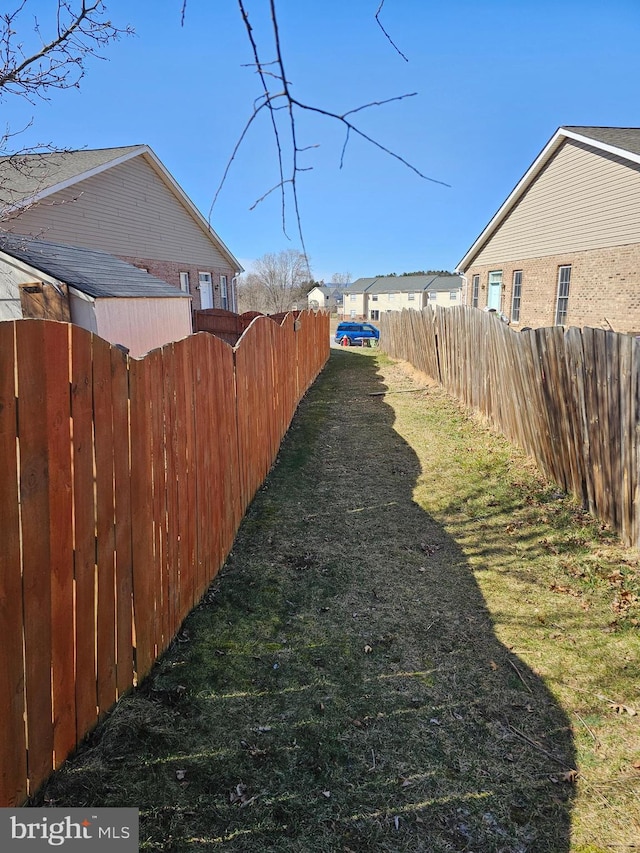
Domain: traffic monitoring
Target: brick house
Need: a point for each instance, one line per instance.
(564, 248)
(122, 201)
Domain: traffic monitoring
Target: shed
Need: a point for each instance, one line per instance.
(103, 294)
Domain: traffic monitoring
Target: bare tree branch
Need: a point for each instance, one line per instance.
(59, 63)
(387, 34)
(282, 99)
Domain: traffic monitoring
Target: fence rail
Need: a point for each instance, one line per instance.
(123, 483)
(569, 398)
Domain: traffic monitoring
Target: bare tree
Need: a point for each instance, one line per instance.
(56, 59)
(341, 278)
(277, 101)
(277, 282)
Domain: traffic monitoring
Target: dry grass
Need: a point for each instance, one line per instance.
(415, 645)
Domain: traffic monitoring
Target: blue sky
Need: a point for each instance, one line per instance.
(494, 81)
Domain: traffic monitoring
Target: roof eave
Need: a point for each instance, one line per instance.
(560, 136)
(162, 173)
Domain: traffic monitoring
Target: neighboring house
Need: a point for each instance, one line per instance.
(122, 201)
(564, 248)
(101, 293)
(325, 296)
(368, 298)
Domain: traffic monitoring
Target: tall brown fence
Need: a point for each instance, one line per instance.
(569, 398)
(122, 485)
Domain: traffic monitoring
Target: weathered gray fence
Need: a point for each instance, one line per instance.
(569, 397)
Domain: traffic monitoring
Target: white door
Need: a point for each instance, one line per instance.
(206, 290)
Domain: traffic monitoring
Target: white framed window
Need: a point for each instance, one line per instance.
(352, 297)
(562, 302)
(205, 286)
(516, 296)
(224, 299)
(411, 297)
(453, 296)
(475, 291)
(184, 281)
(374, 297)
(391, 297)
(374, 314)
(432, 296)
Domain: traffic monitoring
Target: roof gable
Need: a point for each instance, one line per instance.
(621, 142)
(28, 179)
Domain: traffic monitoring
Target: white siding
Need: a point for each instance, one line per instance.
(584, 199)
(126, 211)
(143, 324)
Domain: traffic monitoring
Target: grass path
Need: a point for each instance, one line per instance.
(416, 645)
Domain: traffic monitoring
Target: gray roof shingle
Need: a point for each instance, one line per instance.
(95, 273)
(625, 138)
(404, 284)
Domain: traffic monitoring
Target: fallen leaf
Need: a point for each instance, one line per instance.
(636, 765)
(367, 650)
(493, 665)
(326, 794)
(180, 775)
(570, 776)
(623, 709)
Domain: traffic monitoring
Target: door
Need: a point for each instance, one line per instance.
(494, 296)
(206, 290)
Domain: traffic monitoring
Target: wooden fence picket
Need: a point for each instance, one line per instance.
(569, 398)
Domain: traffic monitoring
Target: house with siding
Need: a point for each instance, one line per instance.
(118, 301)
(122, 201)
(325, 296)
(564, 248)
(368, 298)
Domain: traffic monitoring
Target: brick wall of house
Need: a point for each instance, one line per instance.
(604, 290)
(169, 271)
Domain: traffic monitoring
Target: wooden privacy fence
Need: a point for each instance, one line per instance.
(122, 485)
(227, 325)
(569, 397)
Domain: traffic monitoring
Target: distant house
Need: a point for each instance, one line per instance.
(122, 201)
(101, 293)
(325, 296)
(367, 298)
(564, 248)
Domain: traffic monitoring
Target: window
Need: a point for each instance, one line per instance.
(453, 296)
(391, 297)
(562, 304)
(411, 297)
(206, 290)
(475, 291)
(374, 297)
(352, 297)
(432, 296)
(516, 296)
(184, 281)
(374, 315)
(224, 301)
